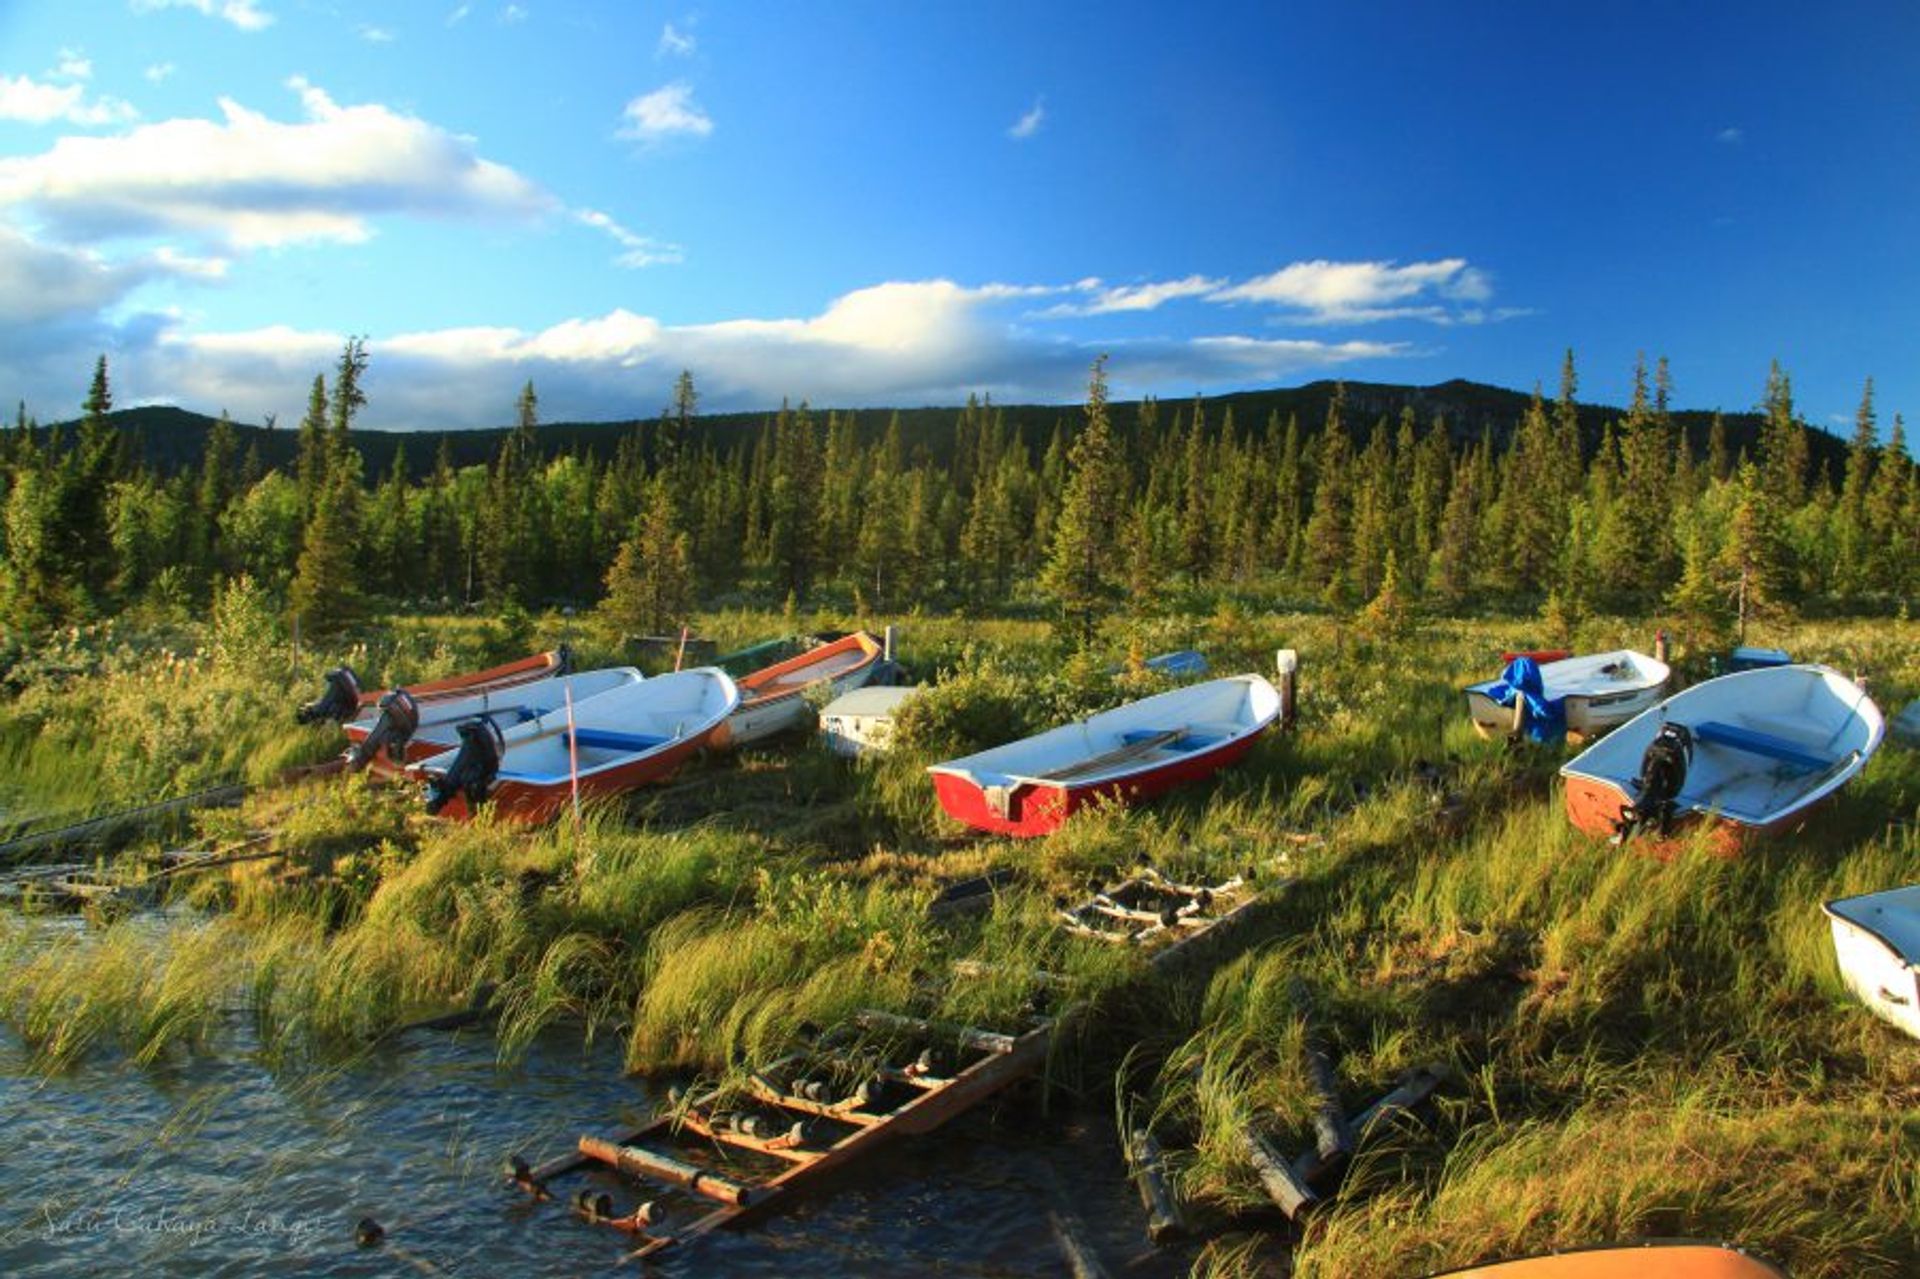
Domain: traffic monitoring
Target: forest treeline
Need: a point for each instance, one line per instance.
(1396, 512)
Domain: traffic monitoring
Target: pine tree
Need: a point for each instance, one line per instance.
(1196, 543)
(215, 491)
(1080, 570)
(650, 584)
(310, 468)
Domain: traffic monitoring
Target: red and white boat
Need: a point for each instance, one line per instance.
(1133, 752)
(344, 698)
(400, 729)
(1665, 1259)
(1748, 754)
(619, 741)
(775, 699)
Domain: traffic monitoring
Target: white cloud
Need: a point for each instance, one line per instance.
(244, 14)
(25, 99)
(459, 15)
(663, 113)
(159, 71)
(376, 35)
(899, 342)
(1029, 124)
(73, 65)
(674, 43)
(1732, 135)
(246, 181)
(1135, 297)
(640, 251)
(1324, 292)
(511, 14)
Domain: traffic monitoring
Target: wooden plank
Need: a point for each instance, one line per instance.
(986, 1041)
(638, 1161)
(1118, 755)
(1148, 1164)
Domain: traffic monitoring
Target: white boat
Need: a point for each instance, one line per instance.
(622, 739)
(1749, 752)
(400, 729)
(1876, 938)
(862, 720)
(1132, 752)
(1597, 692)
(783, 696)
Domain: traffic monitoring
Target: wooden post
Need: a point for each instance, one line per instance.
(1660, 646)
(886, 643)
(1287, 663)
(681, 654)
(1149, 1173)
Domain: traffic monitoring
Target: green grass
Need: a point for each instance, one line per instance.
(1637, 1047)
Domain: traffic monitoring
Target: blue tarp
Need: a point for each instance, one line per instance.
(1546, 717)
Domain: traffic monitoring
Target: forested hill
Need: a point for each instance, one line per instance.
(169, 439)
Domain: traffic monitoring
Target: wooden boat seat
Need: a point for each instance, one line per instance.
(1754, 742)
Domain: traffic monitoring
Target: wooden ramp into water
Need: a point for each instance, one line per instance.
(727, 1156)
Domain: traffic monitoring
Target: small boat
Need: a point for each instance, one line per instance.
(400, 729)
(619, 741)
(1133, 752)
(1876, 938)
(344, 697)
(775, 698)
(1587, 695)
(1906, 725)
(1677, 1259)
(862, 720)
(1185, 661)
(1749, 753)
(1755, 659)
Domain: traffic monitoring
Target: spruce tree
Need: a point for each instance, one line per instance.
(1080, 572)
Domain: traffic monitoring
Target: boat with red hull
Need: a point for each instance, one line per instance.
(1745, 755)
(619, 741)
(344, 698)
(1663, 1259)
(401, 729)
(1134, 752)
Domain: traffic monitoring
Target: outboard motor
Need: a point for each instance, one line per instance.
(399, 717)
(474, 767)
(563, 660)
(338, 703)
(1663, 771)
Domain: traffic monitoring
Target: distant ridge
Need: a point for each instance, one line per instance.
(168, 439)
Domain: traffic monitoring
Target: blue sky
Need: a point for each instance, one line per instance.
(885, 203)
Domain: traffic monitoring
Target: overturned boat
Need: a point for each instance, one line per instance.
(402, 729)
(1876, 938)
(616, 742)
(1587, 695)
(1133, 752)
(777, 698)
(1748, 754)
(344, 697)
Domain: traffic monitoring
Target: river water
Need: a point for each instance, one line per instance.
(216, 1164)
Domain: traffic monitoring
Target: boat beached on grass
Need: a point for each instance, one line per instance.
(1589, 695)
(400, 729)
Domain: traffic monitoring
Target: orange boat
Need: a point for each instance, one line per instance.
(344, 698)
(774, 699)
(1675, 1260)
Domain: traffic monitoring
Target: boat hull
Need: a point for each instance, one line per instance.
(771, 702)
(516, 800)
(1594, 806)
(1874, 944)
(1038, 808)
(1679, 1259)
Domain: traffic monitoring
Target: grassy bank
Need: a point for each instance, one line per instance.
(1636, 1048)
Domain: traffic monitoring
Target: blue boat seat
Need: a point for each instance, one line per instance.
(1754, 742)
(608, 740)
(1187, 741)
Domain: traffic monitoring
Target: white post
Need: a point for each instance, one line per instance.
(1287, 663)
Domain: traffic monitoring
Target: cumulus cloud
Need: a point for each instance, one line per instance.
(1136, 297)
(73, 65)
(899, 342)
(247, 181)
(1324, 292)
(666, 112)
(674, 43)
(1029, 124)
(36, 102)
(244, 14)
(159, 71)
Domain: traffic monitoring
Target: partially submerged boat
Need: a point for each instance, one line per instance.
(616, 742)
(1748, 753)
(1675, 1259)
(1876, 938)
(401, 729)
(1133, 752)
(776, 698)
(344, 697)
(1587, 695)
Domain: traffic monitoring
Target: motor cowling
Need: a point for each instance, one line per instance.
(475, 765)
(338, 703)
(1663, 772)
(399, 718)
